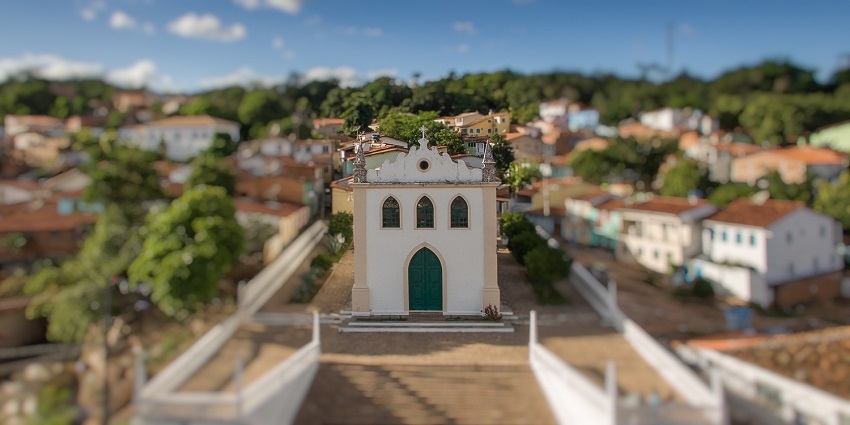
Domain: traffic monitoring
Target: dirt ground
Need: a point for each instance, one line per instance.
(666, 317)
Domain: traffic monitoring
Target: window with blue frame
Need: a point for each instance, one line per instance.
(723, 236)
(753, 240)
(738, 238)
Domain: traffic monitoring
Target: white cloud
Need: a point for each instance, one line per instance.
(120, 20)
(386, 72)
(90, 11)
(464, 27)
(291, 7)
(207, 27)
(277, 43)
(48, 66)
(346, 75)
(140, 74)
(243, 76)
(462, 48)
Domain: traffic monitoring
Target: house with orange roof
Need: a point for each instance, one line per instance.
(286, 218)
(755, 246)
(662, 232)
(184, 137)
(587, 223)
(715, 153)
(527, 148)
(473, 124)
(44, 228)
(43, 124)
(792, 163)
(328, 126)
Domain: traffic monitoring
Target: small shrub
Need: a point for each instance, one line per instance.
(520, 245)
(491, 312)
(546, 265)
(513, 224)
(702, 289)
(342, 223)
(322, 262)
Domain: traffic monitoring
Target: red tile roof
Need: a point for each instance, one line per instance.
(667, 205)
(40, 216)
(749, 213)
(320, 122)
(280, 209)
(190, 121)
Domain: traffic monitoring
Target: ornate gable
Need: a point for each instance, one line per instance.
(424, 164)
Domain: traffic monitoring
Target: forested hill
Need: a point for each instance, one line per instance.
(773, 101)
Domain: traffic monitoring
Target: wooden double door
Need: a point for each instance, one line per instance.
(425, 282)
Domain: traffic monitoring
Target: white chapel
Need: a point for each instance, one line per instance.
(425, 235)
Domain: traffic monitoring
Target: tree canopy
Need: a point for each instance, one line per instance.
(188, 246)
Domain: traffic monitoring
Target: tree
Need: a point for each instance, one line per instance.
(451, 140)
(523, 174)
(188, 246)
(223, 145)
(211, 170)
(833, 199)
(684, 177)
(523, 243)
(358, 113)
(122, 175)
(728, 192)
(65, 294)
(545, 265)
(503, 154)
(788, 191)
(257, 109)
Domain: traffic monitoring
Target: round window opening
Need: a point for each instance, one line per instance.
(423, 165)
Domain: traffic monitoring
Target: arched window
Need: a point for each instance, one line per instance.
(460, 213)
(390, 214)
(425, 213)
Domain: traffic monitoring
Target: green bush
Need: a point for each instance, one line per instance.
(546, 265)
(702, 289)
(342, 223)
(322, 262)
(523, 243)
(512, 224)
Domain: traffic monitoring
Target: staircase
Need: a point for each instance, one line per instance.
(350, 393)
(426, 326)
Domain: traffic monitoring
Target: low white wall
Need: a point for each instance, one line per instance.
(258, 291)
(274, 398)
(573, 398)
(695, 392)
(741, 378)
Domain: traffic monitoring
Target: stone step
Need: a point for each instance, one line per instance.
(419, 329)
(403, 324)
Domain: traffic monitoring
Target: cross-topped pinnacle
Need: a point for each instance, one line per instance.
(423, 129)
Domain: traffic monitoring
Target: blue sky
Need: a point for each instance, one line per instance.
(192, 45)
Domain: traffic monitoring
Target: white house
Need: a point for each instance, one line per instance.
(184, 136)
(662, 232)
(754, 245)
(670, 119)
(424, 235)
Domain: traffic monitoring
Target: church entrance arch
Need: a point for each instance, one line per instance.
(425, 281)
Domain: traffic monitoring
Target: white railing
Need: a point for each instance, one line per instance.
(179, 371)
(272, 399)
(796, 398)
(277, 396)
(680, 377)
(253, 295)
(573, 398)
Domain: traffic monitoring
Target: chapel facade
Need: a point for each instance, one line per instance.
(425, 235)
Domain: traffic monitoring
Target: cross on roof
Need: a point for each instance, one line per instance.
(422, 129)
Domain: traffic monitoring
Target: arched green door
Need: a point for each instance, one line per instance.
(425, 281)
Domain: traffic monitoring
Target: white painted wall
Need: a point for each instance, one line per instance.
(182, 142)
(460, 250)
(746, 245)
(802, 244)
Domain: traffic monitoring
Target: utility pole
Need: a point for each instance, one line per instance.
(670, 33)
